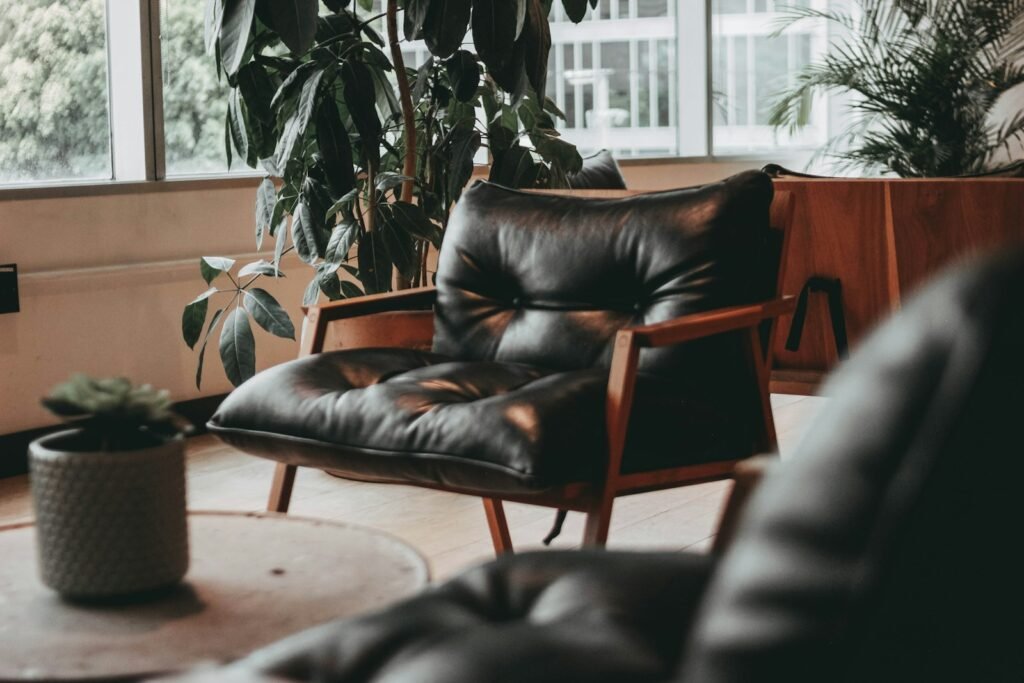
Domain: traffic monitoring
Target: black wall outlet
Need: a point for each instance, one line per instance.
(9, 288)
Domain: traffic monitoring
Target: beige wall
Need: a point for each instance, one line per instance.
(104, 279)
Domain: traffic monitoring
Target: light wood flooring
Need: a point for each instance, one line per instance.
(449, 529)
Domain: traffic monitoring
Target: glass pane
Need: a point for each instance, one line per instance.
(195, 103)
(618, 88)
(751, 68)
(54, 116)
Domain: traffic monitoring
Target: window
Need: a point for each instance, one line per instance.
(643, 78)
(750, 65)
(195, 102)
(54, 111)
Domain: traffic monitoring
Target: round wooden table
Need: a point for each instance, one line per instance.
(253, 579)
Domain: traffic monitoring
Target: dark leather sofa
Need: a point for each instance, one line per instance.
(885, 549)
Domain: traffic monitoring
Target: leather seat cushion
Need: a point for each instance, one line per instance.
(539, 617)
(420, 417)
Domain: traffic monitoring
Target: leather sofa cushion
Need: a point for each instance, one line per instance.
(548, 280)
(600, 172)
(560, 617)
(886, 548)
(416, 417)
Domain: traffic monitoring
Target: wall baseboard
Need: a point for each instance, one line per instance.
(14, 447)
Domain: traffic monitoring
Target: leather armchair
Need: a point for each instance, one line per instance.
(884, 549)
(582, 349)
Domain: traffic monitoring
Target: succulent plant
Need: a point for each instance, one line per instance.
(113, 414)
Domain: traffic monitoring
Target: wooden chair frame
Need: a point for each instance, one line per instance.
(594, 499)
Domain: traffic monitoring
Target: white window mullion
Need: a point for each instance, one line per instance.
(693, 76)
(128, 26)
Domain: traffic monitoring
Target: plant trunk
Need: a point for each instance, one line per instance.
(408, 115)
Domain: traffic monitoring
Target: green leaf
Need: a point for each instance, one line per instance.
(234, 32)
(514, 168)
(294, 21)
(202, 349)
(409, 219)
(266, 200)
(494, 31)
(360, 98)
(349, 289)
(295, 126)
(211, 24)
(464, 73)
(342, 238)
(344, 203)
(366, 5)
(576, 10)
(304, 233)
(374, 263)
(415, 15)
(237, 347)
(462, 145)
(312, 293)
(335, 148)
(279, 245)
(445, 26)
(397, 240)
(536, 39)
(210, 267)
(387, 180)
(192, 320)
(327, 280)
(260, 267)
(268, 314)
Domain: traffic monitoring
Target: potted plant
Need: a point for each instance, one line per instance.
(925, 79)
(364, 157)
(109, 494)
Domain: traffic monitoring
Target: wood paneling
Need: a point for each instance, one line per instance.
(882, 238)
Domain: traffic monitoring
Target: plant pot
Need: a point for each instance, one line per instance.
(108, 523)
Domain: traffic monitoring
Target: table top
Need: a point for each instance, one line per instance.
(254, 578)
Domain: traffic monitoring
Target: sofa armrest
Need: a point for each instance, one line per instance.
(549, 616)
(747, 476)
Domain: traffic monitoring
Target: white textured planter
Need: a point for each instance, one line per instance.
(108, 524)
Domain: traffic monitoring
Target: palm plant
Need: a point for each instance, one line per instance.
(925, 76)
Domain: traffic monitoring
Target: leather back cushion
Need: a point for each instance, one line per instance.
(548, 280)
(600, 172)
(887, 547)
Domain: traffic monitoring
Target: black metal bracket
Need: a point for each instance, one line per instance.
(9, 302)
(833, 289)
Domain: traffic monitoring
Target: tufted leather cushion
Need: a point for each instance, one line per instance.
(531, 290)
(553, 616)
(548, 280)
(600, 172)
(887, 547)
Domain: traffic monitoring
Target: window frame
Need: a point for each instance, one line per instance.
(135, 92)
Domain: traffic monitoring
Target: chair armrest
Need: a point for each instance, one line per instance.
(690, 327)
(419, 299)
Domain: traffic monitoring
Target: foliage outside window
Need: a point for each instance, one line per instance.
(54, 121)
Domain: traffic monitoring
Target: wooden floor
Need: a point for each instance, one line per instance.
(449, 529)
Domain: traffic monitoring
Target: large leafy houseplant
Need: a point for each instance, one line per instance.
(925, 78)
(364, 156)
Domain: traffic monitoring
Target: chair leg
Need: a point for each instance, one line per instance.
(599, 519)
(281, 489)
(498, 525)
